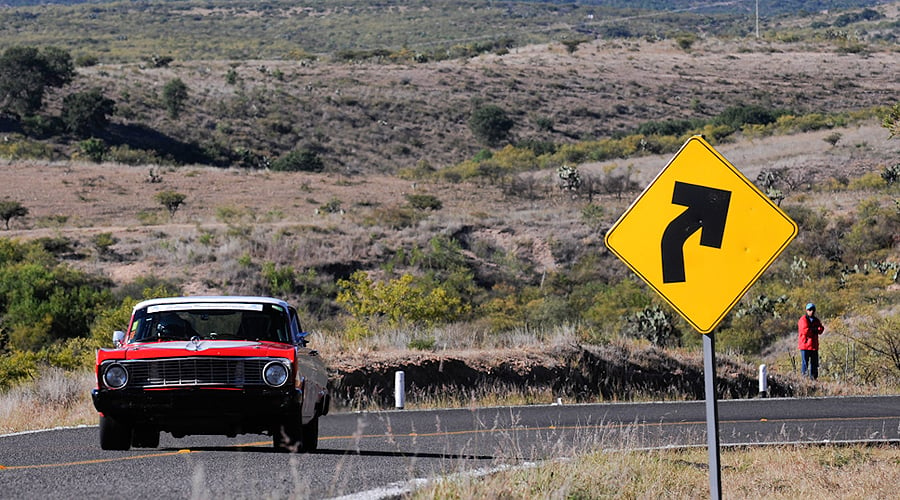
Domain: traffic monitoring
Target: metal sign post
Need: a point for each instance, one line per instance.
(712, 416)
(717, 233)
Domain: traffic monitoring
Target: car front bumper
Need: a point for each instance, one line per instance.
(204, 410)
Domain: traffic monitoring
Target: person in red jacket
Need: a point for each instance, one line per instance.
(809, 328)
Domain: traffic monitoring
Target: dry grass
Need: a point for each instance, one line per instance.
(56, 398)
(781, 472)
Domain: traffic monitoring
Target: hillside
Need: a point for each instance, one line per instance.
(380, 105)
(526, 256)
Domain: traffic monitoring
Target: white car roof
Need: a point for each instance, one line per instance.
(211, 299)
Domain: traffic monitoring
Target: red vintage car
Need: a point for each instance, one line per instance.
(211, 365)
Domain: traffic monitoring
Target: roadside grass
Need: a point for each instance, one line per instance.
(774, 472)
(56, 398)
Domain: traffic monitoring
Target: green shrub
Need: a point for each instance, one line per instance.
(873, 233)
(126, 155)
(507, 308)
(280, 279)
(41, 126)
(738, 116)
(393, 217)
(404, 300)
(878, 362)
(608, 307)
(86, 112)
(44, 300)
(93, 148)
(172, 200)
(25, 149)
(334, 206)
(668, 127)
(86, 61)
(302, 160)
(424, 202)
(868, 182)
(490, 124)
(16, 367)
(422, 343)
(28, 72)
(593, 215)
(11, 209)
(174, 95)
(685, 41)
(104, 242)
(654, 324)
(787, 123)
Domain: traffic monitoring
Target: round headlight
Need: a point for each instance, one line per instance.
(275, 374)
(115, 376)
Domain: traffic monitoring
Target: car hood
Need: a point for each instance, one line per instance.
(237, 348)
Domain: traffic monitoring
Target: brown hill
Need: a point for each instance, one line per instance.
(367, 117)
(375, 118)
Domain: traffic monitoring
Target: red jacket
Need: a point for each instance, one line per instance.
(809, 329)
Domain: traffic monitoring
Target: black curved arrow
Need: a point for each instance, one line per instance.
(707, 209)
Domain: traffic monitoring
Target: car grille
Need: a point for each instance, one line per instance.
(181, 372)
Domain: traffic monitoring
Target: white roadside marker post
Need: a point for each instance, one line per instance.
(763, 381)
(399, 390)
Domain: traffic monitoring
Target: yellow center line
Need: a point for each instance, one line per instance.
(449, 433)
(95, 461)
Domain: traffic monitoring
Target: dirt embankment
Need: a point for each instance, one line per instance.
(573, 372)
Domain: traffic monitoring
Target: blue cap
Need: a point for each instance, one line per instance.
(810, 306)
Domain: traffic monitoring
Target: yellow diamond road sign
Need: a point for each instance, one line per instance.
(701, 234)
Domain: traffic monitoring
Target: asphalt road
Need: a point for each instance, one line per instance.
(371, 455)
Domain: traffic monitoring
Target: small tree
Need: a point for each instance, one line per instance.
(833, 138)
(26, 73)
(104, 242)
(424, 202)
(86, 112)
(299, 160)
(572, 45)
(11, 209)
(93, 148)
(490, 124)
(171, 200)
(685, 41)
(175, 94)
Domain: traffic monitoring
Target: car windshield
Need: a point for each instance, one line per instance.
(267, 322)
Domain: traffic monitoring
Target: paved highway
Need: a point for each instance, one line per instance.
(369, 455)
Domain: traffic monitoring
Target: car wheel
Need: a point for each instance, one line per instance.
(114, 435)
(295, 437)
(286, 437)
(310, 435)
(145, 438)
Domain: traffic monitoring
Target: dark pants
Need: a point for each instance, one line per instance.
(809, 363)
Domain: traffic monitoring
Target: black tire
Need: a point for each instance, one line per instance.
(114, 435)
(310, 435)
(286, 437)
(145, 438)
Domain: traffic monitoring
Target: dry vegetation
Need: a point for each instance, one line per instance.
(381, 116)
(372, 120)
(234, 220)
(781, 472)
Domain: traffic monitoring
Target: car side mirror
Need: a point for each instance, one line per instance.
(301, 339)
(118, 338)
